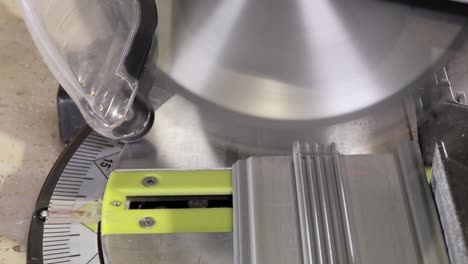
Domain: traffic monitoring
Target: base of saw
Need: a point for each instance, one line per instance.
(312, 205)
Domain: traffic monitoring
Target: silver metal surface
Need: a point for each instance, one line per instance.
(188, 248)
(182, 137)
(320, 207)
(321, 199)
(298, 59)
(177, 140)
(420, 204)
(265, 215)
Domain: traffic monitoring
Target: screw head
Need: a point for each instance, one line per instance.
(116, 203)
(41, 214)
(147, 222)
(44, 214)
(149, 181)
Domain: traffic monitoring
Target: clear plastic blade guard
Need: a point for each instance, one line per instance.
(97, 51)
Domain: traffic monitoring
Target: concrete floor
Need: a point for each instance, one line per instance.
(29, 142)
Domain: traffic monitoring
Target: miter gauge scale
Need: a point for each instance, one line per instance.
(64, 228)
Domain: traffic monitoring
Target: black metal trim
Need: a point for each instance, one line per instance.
(99, 242)
(137, 56)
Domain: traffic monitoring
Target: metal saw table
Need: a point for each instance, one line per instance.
(313, 204)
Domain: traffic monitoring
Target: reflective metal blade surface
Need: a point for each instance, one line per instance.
(300, 59)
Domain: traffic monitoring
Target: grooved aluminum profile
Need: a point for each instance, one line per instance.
(321, 207)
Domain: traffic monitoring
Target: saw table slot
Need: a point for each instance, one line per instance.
(179, 202)
(167, 201)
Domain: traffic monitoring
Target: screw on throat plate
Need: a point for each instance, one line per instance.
(147, 222)
(149, 181)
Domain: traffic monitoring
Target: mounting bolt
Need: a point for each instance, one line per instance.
(41, 214)
(147, 222)
(44, 214)
(116, 203)
(149, 181)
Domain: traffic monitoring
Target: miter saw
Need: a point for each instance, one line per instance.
(255, 132)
